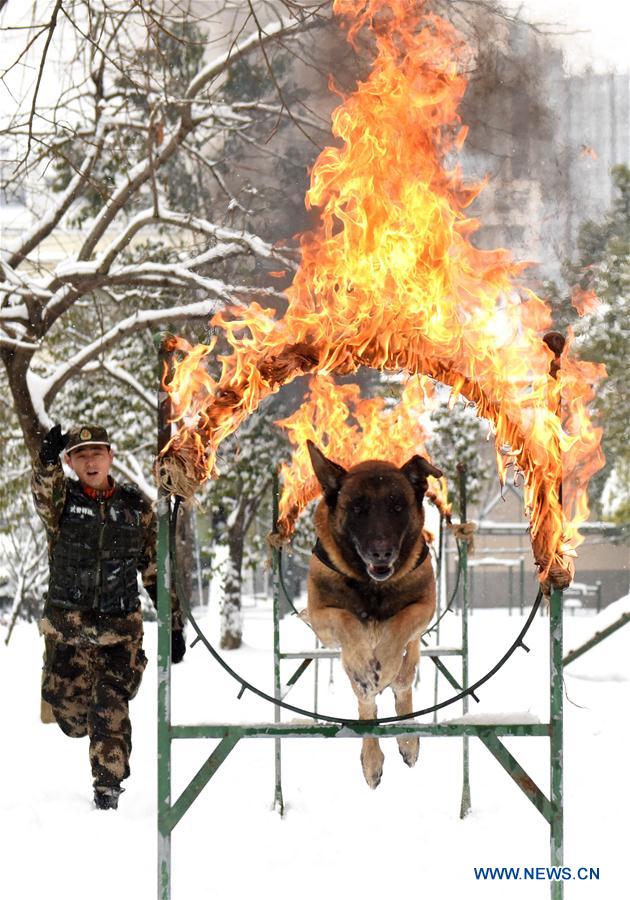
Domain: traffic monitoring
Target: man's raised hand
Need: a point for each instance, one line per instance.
(52, 445)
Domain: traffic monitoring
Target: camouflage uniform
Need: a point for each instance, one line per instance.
(94, 661)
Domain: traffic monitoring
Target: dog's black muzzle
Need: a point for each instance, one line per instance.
(379, 559)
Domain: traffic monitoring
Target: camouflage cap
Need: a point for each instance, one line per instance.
(85, 435)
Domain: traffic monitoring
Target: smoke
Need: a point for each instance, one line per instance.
(591, 35)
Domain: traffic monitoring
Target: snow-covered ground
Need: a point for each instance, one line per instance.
(337, 837)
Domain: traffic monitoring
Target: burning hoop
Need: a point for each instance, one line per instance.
(390, 279)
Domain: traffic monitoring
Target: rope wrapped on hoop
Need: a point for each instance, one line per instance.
(465, 531)
(559, 575)
(176, 473)
(277, 541)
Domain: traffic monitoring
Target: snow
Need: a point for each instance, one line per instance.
(337, 837)
(498, 718)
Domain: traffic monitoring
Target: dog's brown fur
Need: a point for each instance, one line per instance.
(372, 510)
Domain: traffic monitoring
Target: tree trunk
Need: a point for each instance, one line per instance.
(231, 610)
(16, 364)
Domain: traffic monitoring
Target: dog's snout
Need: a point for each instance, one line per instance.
(381, 551)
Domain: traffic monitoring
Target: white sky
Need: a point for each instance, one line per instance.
(603, 46)
(596, 35)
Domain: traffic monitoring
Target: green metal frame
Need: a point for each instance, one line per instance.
(229, 734)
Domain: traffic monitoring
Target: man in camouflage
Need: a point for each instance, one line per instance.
(100, 535)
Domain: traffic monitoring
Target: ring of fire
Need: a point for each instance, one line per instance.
(390, 279)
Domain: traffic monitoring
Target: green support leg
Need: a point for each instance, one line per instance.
(207, 771)
(466, 802)
(164, 701)
(463, 562)
(278, 802)
(164, 644)
(556, 736)
(440, 576)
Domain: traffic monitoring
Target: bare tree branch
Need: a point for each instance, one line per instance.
(71, 193)
(147, 318)
(51, 28)
(122, 375)
(98, 173)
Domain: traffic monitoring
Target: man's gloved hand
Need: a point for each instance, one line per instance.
(178, 646)
(52, 445)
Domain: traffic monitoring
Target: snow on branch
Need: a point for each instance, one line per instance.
(16, 313)
(218, 65)
(172, 140)
(73, 277)
(50, 386)
(120, 374)
(135, 474)
(245, 239)
(46, 225)
(16, 344)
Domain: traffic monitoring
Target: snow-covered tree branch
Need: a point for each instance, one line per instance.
(108, 165)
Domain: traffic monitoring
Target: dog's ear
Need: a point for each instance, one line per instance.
(328, 473)
(416, 471)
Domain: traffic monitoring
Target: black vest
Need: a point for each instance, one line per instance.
(95, 558)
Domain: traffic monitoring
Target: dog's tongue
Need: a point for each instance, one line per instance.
(379, 571)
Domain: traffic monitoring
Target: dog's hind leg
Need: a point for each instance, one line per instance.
(371, 754)
(409, 747)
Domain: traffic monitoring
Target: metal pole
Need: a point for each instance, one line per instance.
(556, 736)
(441, 568)
(556, 343)
(511, 586)
(521, 584)
(164, 657)
(278, 802)
(316, 678)
(164, 699)
(465, 804)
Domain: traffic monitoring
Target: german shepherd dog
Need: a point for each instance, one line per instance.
(371, 589)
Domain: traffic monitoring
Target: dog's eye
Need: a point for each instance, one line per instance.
(398, 507)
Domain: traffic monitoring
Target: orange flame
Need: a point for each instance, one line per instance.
(585, 302)
(350, 430)
(390, 279)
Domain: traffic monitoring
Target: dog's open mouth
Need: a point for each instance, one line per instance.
(379, 573)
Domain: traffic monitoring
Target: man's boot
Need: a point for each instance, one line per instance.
(107, 797)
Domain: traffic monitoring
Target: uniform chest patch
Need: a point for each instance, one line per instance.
(81, 510)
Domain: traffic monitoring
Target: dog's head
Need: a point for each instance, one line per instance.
(373, 510)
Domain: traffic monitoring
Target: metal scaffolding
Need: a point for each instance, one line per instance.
(229, 734)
